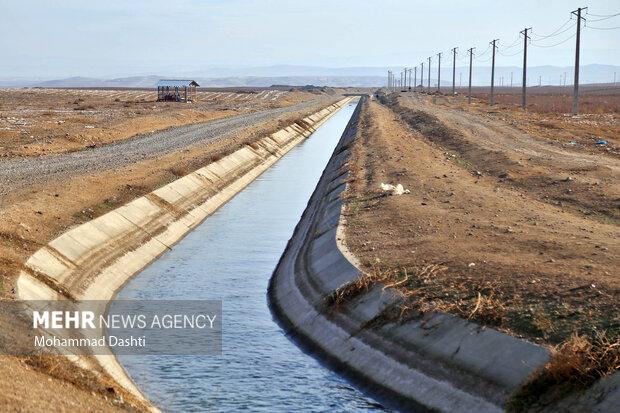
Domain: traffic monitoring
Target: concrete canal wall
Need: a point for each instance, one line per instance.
(94, 260)
(439, 362)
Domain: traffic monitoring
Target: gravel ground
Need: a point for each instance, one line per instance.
(23, 172)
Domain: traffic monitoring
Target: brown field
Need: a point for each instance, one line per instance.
(596, 99)
(44, 121)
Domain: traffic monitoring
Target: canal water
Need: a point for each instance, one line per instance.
(230, 257)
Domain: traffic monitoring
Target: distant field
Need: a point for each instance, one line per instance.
(150, 94)
(598, 98)
(36, 121)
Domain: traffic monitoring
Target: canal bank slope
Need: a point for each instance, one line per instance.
(435, 361)
(94, 260)
(369, 330)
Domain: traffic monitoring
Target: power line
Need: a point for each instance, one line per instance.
(511, 54)
(604, 18)
(556, 44)
(603, 15)
(515, 43)
(603, 28)
(555, 32)
(485, 51)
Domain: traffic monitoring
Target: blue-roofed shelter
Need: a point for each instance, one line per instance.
(176, 90)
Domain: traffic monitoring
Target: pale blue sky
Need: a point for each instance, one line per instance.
(118, 38)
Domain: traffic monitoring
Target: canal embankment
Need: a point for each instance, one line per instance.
(94, 260)
(433, 362)
(230, 257)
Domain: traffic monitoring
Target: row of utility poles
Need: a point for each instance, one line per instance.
(394, 84)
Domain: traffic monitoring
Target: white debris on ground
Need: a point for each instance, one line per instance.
(394, 189)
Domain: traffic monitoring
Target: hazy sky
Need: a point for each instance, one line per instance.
(134, 37)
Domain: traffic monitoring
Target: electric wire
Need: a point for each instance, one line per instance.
(604, 18)
(603, 28)
(556, 44)
(554, 33)
(513, 44)
(602, 15)
(510, 54)
(485, 51)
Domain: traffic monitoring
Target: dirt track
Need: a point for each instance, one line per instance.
(493, 229)
(19, 173)
(584, 182)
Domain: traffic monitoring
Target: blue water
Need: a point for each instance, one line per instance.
(230, 257)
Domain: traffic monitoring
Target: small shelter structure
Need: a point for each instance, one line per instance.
(176, 90)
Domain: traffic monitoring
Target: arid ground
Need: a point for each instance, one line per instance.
(44, 121)
(40, 199)
(512, 218)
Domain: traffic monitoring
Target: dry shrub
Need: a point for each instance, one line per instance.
(179, 170)
(584, 360)
(350, 290)
(575, 364)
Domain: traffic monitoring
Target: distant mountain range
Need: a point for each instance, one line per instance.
(336, 77)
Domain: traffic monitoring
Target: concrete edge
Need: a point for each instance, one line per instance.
(93, 261)
(439, 362)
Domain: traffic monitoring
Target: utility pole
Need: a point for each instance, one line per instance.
(576, 85)
(510, 79)
(539, 81)
(389, 79)
(429, 73)
(410, 69)
(439, 72)
(415, 78)
(493, 71)
(422, 76)
(614, 78)
(523, 88)
(471, 54)
(453, 70)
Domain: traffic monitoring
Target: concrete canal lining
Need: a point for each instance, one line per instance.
(94, 260)
(439, 362)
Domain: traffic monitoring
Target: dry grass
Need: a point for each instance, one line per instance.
(584, 360)
(575, 364)
(420, 290)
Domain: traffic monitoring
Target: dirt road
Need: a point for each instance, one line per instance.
(582, 180)
(499, 226)
(22, 172)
